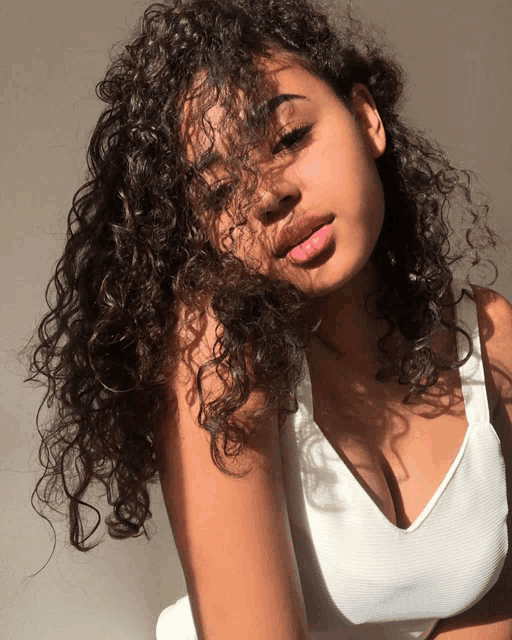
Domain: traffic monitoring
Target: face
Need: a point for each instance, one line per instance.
(320, 206)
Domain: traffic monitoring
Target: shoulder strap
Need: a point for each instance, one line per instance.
(472, 372)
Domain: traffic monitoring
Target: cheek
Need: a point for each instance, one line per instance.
(252, 247)
(244, 241)
(344, 175)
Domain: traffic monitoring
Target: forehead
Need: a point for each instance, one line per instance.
(288, 75)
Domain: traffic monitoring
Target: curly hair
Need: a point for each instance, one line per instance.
(137, 247)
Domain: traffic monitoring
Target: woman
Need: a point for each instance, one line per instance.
(256, 300)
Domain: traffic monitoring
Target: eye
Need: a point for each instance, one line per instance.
(292, 139)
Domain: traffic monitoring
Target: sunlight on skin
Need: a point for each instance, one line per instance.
(327, 175)
(332, 172)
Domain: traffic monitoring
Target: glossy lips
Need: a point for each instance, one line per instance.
(312, 246)
(304, 238)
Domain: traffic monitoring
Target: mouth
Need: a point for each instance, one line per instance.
(293, 239)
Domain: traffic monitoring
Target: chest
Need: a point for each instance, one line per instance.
(398, 453)
(400, 457)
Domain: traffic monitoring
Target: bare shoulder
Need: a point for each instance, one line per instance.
(196, 334)
(198, 349)
(496, 312)
(196, 345)
(495, 322)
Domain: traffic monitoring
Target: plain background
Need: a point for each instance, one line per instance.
(458, 57)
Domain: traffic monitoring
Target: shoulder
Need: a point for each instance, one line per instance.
(494, 309)
(204, 381)
(495, 323)
(492, 302)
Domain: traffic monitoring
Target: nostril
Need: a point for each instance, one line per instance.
(269, 217)
(276, 208)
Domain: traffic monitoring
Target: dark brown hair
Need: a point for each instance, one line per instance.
(136, 247)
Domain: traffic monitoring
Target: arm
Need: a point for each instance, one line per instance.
(491, 617)
(232, 534)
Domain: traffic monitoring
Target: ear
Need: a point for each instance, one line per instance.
(366, 115)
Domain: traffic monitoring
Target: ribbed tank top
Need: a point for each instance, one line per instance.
(362, 577)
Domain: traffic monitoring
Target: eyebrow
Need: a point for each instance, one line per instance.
(211, 158)
(275, 102)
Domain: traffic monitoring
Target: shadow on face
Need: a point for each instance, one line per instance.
(284, 175)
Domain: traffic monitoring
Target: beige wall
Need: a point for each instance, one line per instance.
(52, 54)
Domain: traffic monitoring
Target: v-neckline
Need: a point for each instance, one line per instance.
(429, 507)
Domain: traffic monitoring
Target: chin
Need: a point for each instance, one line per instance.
(318, 289)
(330, 281)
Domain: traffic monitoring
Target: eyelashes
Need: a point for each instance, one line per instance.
(292, 139)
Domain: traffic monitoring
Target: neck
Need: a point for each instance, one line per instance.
(346, 325)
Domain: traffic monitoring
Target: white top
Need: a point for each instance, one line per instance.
(362, 577)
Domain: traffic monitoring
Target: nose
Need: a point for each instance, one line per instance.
(276, 201)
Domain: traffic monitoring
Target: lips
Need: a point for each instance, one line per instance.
(297, 231)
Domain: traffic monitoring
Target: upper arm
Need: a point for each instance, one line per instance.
(232, 534)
